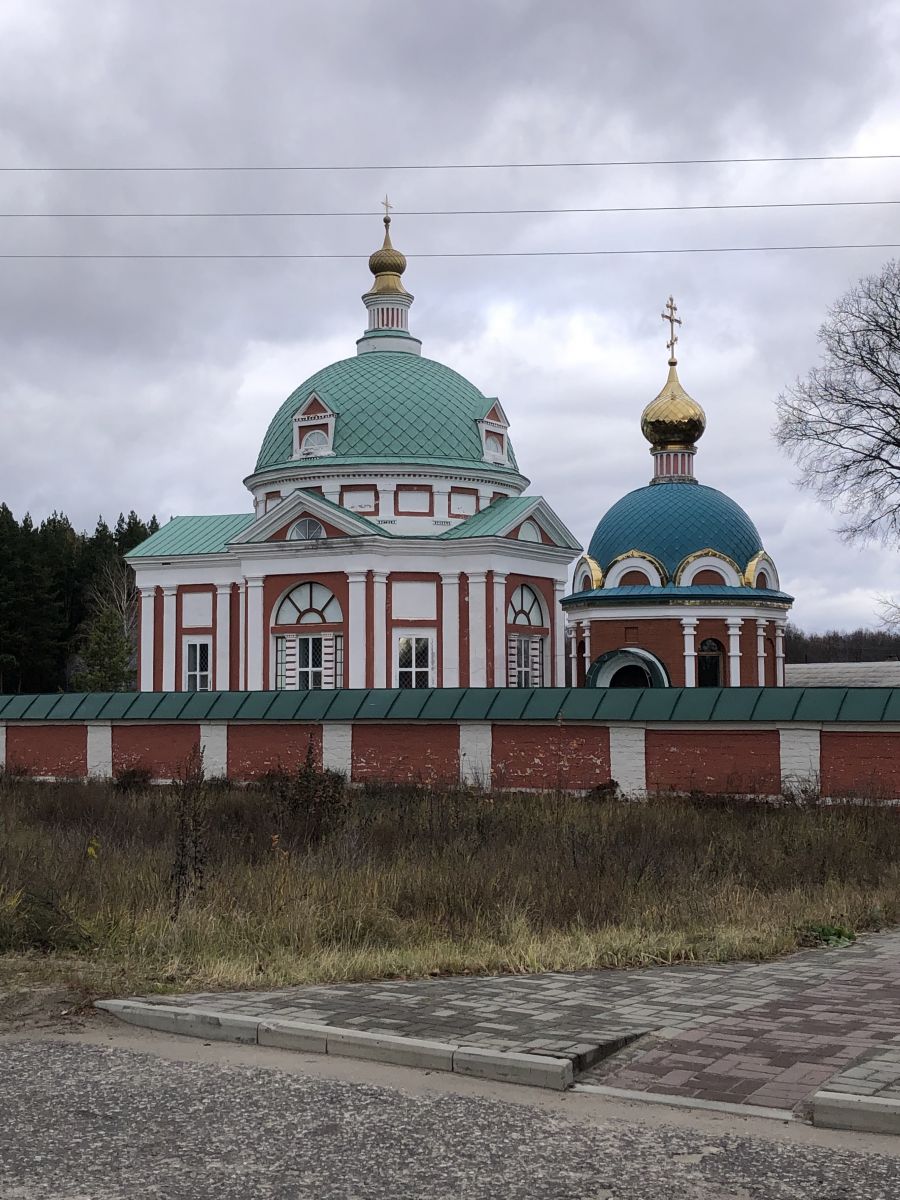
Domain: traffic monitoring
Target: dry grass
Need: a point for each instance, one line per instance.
(300, 880)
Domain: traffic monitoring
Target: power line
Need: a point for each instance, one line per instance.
(476, 166)
(483, 253)
(466, 212)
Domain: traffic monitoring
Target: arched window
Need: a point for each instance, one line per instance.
(309, 604)
(311, 659)
(587, 584)
(315, 442)
(630, 676)
(710, 663)
(633, 578)
(762, 580)
(306, 530)
(529, 532)
(525, 608)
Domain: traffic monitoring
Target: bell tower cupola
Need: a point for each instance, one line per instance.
(387, 301)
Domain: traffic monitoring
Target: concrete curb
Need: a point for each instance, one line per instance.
(528, 1070)
(865, 1114)
(721, 1106)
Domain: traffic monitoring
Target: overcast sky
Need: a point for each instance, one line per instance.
(149, 384)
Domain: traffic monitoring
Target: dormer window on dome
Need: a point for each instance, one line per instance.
(494, 439)
(313, 429)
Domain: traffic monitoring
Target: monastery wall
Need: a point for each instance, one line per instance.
(842, 742)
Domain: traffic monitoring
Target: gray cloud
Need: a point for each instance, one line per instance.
(150, 383)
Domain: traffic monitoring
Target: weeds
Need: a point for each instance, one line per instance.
(300, 878)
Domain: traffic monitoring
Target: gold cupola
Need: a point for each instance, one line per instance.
(673, 422)
(387, 300)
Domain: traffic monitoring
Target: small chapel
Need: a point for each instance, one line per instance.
(390, 542)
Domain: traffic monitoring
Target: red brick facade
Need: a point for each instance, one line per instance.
(745, 762)
(860, 764)
(564, 757)
(165, 751)
(405, 753)
(255, 750)
(59, 751)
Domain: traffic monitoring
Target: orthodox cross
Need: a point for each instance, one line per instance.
(669, 315)
(387, 206)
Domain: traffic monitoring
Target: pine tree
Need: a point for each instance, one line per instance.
(106, 656)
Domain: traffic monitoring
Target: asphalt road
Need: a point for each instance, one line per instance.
(110, 1114)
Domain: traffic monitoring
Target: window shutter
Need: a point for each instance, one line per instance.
(290, 664)
(512, 674)
(328, 660)
(537, 662)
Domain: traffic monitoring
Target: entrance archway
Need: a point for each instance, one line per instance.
(627, 667)
(630, 676)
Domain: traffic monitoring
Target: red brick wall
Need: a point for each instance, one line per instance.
(405, 753)
(254, 750)
(860, 764)
(59, 750)
(714, 760)
(550, 756)
(164, 750)
(664, 638)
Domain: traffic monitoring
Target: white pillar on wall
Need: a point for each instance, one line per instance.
(450, 628)
(355, 651)
(500, 679)
(148, 614)
(223, 636)
(572, 634)
(734, 651)
(477, 629)
(379, 629)
(689, 630)
(779, 653)
(256, 635)
(761, 652)
(242, 629)
(558, 634)
(170, 597)
(586, 634)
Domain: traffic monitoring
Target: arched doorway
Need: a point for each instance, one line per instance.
(627, 667)
(308, 639)
(630, 676)
(711, 664)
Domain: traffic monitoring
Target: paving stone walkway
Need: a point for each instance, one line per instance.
(766, 1034)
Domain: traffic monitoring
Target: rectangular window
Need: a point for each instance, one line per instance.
(525, 661)
(414, 661)
(309, 663)
(196, 666)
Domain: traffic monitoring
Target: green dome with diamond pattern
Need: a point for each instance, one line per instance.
(390, 407)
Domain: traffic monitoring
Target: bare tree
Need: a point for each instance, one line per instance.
(841, 424)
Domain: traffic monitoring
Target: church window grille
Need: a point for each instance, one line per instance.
(710, 663)
(306, 530)
(525, 608)
(529, 532)
(197, 666)
(315, 442)
(309, 604)
(414, 661)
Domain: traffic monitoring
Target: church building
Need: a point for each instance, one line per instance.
(676, 588)
(390, 541)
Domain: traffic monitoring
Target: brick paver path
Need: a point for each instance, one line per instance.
(766, 1034)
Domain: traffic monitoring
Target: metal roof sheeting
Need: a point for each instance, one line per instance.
(862, 705)
(193, 535)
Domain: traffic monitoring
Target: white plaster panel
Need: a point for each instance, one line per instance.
(214, 749)
(800, 754)
(99, 750)
(412, 500)
(2, 747)
(337, 746)
(475, 749)
(628, 758)
(148, 602)
(361, 501)
(414, 600)
(196, 610)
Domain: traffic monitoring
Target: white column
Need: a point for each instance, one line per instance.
(558, 678)
(223, 636)
(477, 629)
(379, 629)
(800, 755)
(170, 594)
(586, 634)
(500, 629)
(779, 653)
(148, 614)
(734, 651)
(214, 749)
(256, 639)
(450, 627)
(475, 748)
(99, 749)
(628, 758)
(337, 747)
(572, 633)
(356, 650)
(242, 628)
(2, 746)
(761, 652)
(689, 629)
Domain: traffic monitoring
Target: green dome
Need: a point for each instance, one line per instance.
(672, 520)
(391, 407)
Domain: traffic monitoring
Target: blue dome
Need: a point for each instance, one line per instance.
(672, 520)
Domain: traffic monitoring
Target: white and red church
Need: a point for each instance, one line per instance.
(391, 543)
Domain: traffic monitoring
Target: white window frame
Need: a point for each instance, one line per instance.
(429, 635)
(485, 427)
(189, 640)
(302, 424)
(307, 521)
(331, 674)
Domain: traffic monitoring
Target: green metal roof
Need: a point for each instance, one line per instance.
(643, 593)
(192, 535)
(497, 516)
(391, 406)
(671, 521)
(840, 705)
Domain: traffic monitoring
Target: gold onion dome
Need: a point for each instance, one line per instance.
(674, 418)
(387, 265)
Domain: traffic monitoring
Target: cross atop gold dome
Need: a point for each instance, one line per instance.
(669, 315)
(387, 264)
(674, 421)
